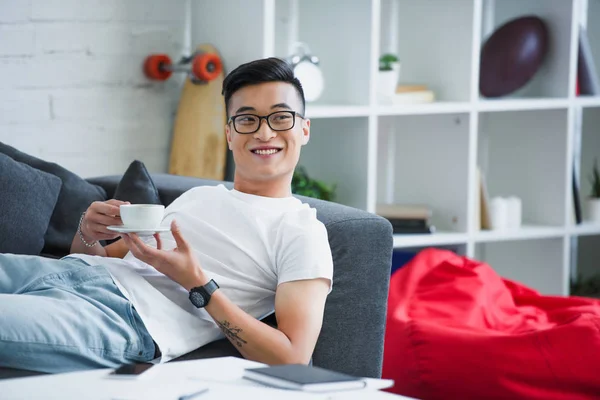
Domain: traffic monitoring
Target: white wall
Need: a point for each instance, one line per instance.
(71, 84)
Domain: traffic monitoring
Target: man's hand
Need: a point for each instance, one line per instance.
(179, 264)
(100, 215)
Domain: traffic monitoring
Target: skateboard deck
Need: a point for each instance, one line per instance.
(199, 146)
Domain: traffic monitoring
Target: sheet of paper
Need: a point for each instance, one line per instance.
(163, 391)
(215, 392)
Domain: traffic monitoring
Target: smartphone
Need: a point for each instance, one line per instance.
(131, 371)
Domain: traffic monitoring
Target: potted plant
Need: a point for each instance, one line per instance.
(389, 73)
(594, 199)
(304, 185)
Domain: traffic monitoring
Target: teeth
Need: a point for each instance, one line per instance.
(266, 152)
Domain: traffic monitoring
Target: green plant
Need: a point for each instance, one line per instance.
(304, 185)
(595, 181)
(386, 61)
(589, 287)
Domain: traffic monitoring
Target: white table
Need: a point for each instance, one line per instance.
(222, 377)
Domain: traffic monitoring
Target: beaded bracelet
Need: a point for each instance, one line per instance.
(86, 244)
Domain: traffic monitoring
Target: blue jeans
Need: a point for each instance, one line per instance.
(65, 315)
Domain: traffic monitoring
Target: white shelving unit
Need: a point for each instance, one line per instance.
(525, 143)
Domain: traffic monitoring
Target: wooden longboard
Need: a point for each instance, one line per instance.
(199, 146)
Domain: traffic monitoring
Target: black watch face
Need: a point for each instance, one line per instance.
(197, 299)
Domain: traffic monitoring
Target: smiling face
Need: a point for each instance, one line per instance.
(265, 160)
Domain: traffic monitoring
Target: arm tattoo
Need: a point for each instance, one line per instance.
(232, 333)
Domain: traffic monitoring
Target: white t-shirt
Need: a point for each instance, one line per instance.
(247, 243)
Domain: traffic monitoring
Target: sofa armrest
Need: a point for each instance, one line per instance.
(352, 335)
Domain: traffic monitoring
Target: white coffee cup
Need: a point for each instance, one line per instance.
(142, 216)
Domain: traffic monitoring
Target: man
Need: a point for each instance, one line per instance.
(231, 258)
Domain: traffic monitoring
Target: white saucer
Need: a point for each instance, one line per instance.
(124, 229)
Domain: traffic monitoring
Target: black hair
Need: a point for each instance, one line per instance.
(270, 69)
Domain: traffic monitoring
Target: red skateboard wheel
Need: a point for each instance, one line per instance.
(207, 66)
(153, 67)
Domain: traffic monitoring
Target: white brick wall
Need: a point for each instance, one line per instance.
(71, 85)
(15, 11)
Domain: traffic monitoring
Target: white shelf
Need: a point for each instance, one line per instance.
(425, 108)
(526, 143)
(523, 233)
(434, 239)
(335, 111)
(585, 228)
(521, 104)
(588, 101)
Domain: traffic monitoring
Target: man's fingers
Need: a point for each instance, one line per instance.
(135, 239)
(158, 241)
(133, 246)
(147, 251)
(181, 243)
(106, 209)
(99, 229)
(103, 220)
(104, 236)
(116, 202)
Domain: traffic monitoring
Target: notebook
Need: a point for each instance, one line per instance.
(304, 377)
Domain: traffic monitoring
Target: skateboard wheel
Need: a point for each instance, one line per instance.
(154, 67)
(207, 67)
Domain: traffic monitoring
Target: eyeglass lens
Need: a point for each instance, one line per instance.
(279, 121)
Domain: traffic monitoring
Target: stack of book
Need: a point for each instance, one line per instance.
(413, 94)
(407, 218)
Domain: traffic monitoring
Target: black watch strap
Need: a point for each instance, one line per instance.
(210, 287)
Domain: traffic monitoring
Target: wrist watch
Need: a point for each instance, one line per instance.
(200, 295)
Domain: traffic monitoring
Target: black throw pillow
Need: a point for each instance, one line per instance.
(136, 186)
(76, 195)
(27, 201)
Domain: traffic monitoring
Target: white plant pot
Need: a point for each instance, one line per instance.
(396, 68)
(593, 210)
(387, 82)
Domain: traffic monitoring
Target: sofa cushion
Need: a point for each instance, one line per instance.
(76, 195)
(27, 203)
(136, 186)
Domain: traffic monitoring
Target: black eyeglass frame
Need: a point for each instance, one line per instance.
(266, 118)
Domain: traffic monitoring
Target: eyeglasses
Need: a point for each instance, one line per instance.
(277, 121)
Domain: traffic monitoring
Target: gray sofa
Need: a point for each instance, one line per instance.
(352, 336)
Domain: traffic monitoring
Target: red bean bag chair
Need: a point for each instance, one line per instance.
(456, 330)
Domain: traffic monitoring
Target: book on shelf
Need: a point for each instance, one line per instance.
(587, 74)
(411, 225)
(304, 378)
(413, 94)
(400, 210)
(406, 218)
(401, 229)
(485, 220)
(576, 199)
